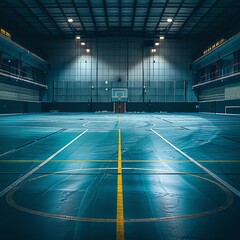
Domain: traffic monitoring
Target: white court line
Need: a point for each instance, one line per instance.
(11, 186)
(227, 185)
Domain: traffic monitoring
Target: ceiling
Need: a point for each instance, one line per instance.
(143, 18)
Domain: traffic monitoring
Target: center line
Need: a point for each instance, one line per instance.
(120, 214)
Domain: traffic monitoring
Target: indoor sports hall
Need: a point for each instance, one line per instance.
(119, 119)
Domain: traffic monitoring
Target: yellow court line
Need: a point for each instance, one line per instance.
(120, 214)
(183, 161)
(225, 205)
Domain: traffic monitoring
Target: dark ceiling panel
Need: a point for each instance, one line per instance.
(145, 18)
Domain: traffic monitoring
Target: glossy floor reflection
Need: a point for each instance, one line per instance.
(69, 176)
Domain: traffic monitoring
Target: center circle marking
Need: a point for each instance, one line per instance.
(228, 201)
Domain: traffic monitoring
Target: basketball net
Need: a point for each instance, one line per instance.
(119, 98)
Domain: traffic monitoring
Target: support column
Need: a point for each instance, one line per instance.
(19, 67)
(1, 60)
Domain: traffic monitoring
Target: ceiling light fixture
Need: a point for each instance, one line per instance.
(157, 43)
(78, 37)
(70, 20)
(83, 43)
(169, 20)
(88, 50)
(153, 50)
(161, 37)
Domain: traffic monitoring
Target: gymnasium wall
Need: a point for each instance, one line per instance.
(77, 76)
(18, 99)
(108, 107)
(11, 106)
(226, 106)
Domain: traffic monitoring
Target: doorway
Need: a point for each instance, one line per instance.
(119, 107)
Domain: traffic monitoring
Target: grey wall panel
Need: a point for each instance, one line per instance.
(18, 93)
(77, 76)
(233, 106)
(161, 107)
(77, 107)
(131, 107)
(9, 106)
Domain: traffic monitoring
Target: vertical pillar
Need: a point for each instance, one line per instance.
(19, 67)
(127, 66)
(0, 60)
(237, 61)
(143, 84)
(97, 72)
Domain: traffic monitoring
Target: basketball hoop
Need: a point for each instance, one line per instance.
(119, 95)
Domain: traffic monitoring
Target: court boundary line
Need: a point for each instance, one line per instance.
(224, 183)
(15, 183)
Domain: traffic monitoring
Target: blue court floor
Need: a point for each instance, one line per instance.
(128, 176)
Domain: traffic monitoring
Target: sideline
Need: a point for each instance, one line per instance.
(14, 184)
(227, 185)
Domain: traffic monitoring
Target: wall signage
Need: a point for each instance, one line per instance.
(215, 45)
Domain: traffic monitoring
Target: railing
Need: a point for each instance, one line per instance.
(12, 72)
(229, 71)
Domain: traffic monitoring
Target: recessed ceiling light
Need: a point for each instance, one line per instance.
(88, 50)
(83, 43)
(70, 20)
(157, 43)
(161, 37)
(78, 37)
(169, 20)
